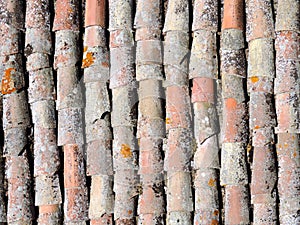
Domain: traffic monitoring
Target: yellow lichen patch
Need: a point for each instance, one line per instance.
(69, 10)
(6, 83)
(88, 60)
(129, 212)
(105, 64)
(249, 148)
(85, 48)
(295, 154)
(168, 121)
(256, 127)
(285, 145)
(216, 213)
(211, 182)
(214, 222)
(254, 79)
(126, 151)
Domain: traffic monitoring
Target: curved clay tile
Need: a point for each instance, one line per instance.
(178, 114)
(260, 33)
(69, 106)
(122, 83)
(16, 120)
(203, 69)
(41, 92)
(95, 13)
(3, 217)
(233, 174)
(97, 114)
(12, 13)
(66, 15)
(233, 17)
(287, 46)
(151, 204)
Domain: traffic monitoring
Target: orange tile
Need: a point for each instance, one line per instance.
(95, 13)
(233, 14)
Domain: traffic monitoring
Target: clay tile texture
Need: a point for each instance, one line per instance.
(149, 112)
